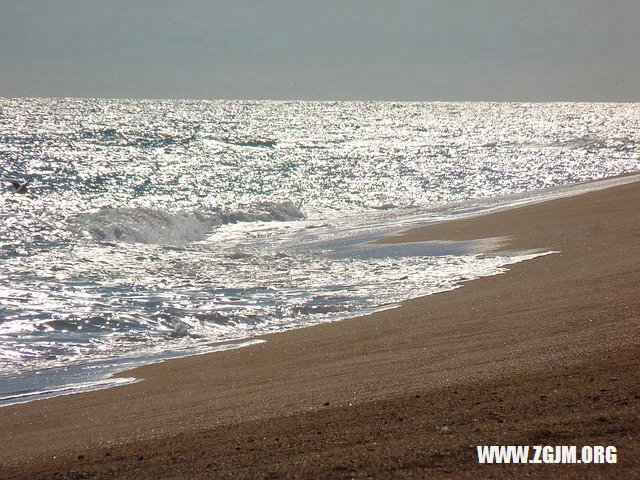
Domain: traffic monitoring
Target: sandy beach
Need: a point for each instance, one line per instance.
(544, 354)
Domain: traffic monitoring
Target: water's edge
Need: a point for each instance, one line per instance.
(107, 374)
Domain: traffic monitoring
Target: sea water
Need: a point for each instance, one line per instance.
(154, 228)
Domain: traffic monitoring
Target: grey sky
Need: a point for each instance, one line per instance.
(346, 49)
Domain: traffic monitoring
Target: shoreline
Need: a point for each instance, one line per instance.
(486, 330)
(401, 235)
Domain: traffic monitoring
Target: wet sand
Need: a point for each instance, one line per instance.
(546, 353)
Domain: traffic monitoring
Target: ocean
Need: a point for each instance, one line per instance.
(154, 229)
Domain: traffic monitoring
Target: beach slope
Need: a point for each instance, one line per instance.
(544, 354)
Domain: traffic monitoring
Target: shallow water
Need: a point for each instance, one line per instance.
(155, 227)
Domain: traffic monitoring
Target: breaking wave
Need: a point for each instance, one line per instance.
(145, 225)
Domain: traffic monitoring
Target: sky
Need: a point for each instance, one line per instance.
(457, 50)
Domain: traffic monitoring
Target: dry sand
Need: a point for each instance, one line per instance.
(546, 353)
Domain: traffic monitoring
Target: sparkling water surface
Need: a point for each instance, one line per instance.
(154, 227)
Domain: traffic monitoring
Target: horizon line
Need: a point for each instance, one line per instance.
(300, 100)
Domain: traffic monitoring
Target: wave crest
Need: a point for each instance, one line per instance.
(146, 225)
